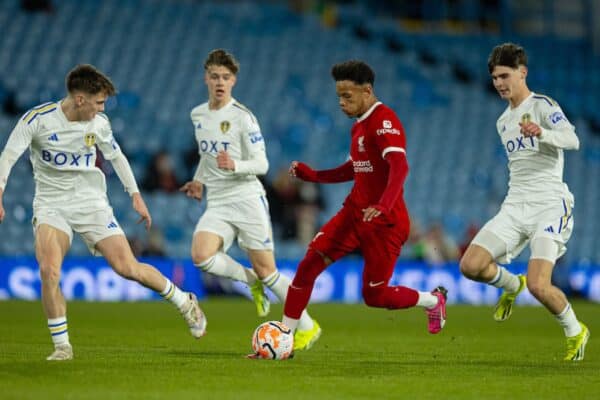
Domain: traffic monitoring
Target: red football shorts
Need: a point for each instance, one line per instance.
(380, 241)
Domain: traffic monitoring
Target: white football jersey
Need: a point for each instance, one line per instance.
(536, 163)
(232, 128)
(63, 155)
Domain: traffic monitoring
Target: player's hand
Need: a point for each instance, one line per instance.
(224, 161)
(302, 171)
(192, 189)
(529, 129)
(372, 212)
(140, 207)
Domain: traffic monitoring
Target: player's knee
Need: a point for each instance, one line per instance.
(374, 297)
(205, 264)
(201, 257)
(470, 267)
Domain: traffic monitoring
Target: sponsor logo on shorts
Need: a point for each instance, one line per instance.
(112, 225)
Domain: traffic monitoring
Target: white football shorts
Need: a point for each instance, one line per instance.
(246, 219)
(93, 225)
(517, 224)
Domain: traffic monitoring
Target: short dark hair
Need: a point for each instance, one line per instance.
(223, 58)
(356, 71)
(507, 55)
(86, 78)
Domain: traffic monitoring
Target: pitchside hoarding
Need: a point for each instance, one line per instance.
(92, 279)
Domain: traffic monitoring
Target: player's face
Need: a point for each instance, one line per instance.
(88, 105)
(220, 81)
(353, 97)
(509, 82)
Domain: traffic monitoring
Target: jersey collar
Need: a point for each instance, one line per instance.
(369, 111)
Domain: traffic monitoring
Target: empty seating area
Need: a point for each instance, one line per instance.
(154, 51)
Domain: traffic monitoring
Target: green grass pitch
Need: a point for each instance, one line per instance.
(143, 351)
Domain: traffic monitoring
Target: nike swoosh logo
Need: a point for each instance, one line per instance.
(375, 284)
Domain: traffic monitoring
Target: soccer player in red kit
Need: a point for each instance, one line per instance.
(374, 218)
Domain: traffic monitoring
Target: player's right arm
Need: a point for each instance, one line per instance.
(18, 141)
(194, 188)
(342, 173)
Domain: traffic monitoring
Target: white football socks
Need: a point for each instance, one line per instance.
(568, 321)
(223, 265)
(59, 330)
(174, 294)
(427, 300)
(506, 280)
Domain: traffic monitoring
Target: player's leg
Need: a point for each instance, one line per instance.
(212, 237)
(118, 254)
(51, 245)
(500, 239)
(208, 257)
(540, 285)
(544, 252)
(308, 330)
(301, 287)
(335, 239)
(552, 223)
(380, 258)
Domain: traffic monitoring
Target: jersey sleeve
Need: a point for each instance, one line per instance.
(106, 141)
(253, 142)
(556, 128)
(18, 141)
(389, 134)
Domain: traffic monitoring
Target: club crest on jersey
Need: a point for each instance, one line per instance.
(89, 139)
(225, 125)
(525, 118)
(361, 144)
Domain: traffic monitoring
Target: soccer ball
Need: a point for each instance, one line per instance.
(273, 341)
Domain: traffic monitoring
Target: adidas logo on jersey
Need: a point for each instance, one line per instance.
(112, 225)
(53, 138)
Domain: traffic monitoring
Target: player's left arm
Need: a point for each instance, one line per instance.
(397, 175)
(392, 142)
(254, 144)
(554, 129)
(112, 152)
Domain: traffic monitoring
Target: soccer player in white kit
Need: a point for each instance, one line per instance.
(70, 195)
(538, 207)
(232, 154)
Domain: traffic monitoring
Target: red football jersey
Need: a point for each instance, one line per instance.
(374, 134)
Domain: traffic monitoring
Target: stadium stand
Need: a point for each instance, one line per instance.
(437, 82)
